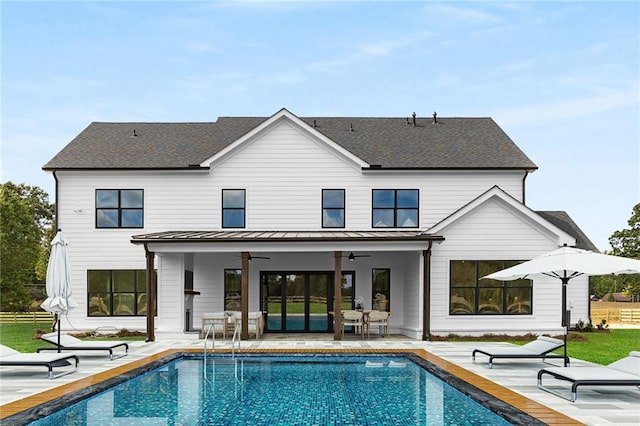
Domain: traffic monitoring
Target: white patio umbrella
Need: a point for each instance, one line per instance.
(564, 264)
(58, 299)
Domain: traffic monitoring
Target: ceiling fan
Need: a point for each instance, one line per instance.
(255, 257)
(352, 256)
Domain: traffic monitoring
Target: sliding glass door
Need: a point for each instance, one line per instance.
(300, 301)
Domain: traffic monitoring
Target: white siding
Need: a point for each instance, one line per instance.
(493, 231)
(283, 172)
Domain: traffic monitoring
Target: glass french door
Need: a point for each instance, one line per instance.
(300, 301)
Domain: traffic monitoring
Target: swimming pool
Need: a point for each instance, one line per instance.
(301, 389)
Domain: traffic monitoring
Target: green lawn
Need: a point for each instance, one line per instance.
(600, 348)
(22, 337)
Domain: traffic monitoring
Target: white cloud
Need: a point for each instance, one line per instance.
(565, 109)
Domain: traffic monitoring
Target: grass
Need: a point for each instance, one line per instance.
(599, 348)
(24, 337)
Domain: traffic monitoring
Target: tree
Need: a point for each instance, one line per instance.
(25, 217)
(625, 243)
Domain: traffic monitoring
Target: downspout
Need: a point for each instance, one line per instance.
(524, 199)
(426, 296)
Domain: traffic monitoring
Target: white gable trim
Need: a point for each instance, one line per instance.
(496, 193)
(283, 114)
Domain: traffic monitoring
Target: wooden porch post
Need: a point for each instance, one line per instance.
(426, 296)
(244, 299)
(151, 294)
(337, 295)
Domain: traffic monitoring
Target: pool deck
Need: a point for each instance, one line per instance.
(513, 381)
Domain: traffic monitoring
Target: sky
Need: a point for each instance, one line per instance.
(561, 78)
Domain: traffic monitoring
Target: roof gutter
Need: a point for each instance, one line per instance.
(55, 205)
(195, 167)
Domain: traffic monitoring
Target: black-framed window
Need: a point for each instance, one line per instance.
(233, 208)
(333, 208)
(121, 292)
(119, 208)
(472, 295)
(232, 289)
(395, 208)
(381, 289)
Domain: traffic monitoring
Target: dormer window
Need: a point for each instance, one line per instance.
(395, 208)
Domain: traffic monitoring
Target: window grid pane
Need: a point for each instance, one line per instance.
(116, 292)
(119, 208)
(470, 294)
(233, 208)
(395, 208)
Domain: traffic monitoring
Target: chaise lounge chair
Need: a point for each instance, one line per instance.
(70, 343)
(624, 372)
(10, 357)
(540, 348)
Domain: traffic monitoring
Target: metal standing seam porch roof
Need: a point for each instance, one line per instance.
(281, 236)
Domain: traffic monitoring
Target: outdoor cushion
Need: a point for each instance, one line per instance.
(624, 372)
(539, 348)
(11, 357)
(70, 343)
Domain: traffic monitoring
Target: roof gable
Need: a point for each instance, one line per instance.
(282, 116)
(497, 194)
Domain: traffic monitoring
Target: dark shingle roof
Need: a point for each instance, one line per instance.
(563, 221)
(453, 143)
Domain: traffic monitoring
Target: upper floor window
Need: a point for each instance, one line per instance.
(119, 208)
(233, 208)
(395, 208)
(333, 208)
(470, 294)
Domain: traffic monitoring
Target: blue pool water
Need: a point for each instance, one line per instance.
(291, 390)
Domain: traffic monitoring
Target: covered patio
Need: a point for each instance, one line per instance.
(192, 265)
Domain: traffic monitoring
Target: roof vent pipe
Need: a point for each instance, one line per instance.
(407, 123)
(351, 127)
(134, 134)
(414, 119)
(314, 124)
(435, 118)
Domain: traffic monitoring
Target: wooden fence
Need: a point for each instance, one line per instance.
(26, 317)
(615, 315)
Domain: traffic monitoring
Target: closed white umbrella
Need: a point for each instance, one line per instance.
(58, 299)
(564, 264)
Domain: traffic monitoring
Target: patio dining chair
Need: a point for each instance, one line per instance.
(353, 319)
(378, 319)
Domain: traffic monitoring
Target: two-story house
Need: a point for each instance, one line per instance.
(286, 215)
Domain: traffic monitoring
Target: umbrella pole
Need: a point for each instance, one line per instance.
(565, 326)
(59, 323)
